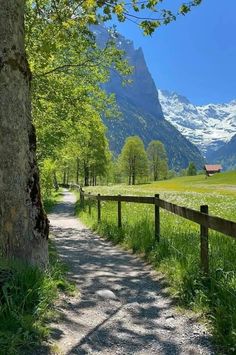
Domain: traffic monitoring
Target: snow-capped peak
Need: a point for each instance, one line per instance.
(208, 126)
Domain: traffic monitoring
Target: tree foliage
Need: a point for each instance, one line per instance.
(157, 160)
(191, 170)
(133, 159)
(147, 14)
(67, 98)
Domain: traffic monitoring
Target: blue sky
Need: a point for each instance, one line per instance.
(196, 55)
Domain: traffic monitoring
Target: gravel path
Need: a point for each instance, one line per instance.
(123, 306)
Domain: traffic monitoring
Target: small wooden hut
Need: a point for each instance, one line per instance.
(212, 169)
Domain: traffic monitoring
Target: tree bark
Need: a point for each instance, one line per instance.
(86, 174)
(77, 171)
(133, 178)
(67, 176)
(55, 182)
(23, 223)
(155, 173)
(64, 176)
(134, 172)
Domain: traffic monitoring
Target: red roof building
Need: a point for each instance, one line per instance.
(212, 169)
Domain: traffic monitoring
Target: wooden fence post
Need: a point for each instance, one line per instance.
(204, 244)
(157, 219)
(99, 208)
(89, 203)
(119, 212)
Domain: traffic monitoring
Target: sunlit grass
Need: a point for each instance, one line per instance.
(223, 183)
(50, 202)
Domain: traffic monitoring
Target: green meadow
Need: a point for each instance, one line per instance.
(178, 254)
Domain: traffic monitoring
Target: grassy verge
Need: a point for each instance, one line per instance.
(50, 202)
(177, 254)
(26, 302)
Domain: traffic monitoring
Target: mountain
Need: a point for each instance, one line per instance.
(226, 155)
(210, 126)
(142, 114)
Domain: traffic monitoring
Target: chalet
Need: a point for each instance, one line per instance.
(212, 169)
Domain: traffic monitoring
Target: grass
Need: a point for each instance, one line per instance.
(177, 254)
(51, 200)
(27, 295)
(225, 183)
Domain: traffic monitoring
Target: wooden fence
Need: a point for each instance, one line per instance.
(201, 217)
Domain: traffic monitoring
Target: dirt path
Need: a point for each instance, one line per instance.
(123, 308)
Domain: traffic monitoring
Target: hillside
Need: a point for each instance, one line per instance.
(226, 155)
(210, 126)
(141, 110)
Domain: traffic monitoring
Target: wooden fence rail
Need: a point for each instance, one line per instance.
(200, 217)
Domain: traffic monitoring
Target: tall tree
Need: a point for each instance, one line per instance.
(133, 159)
(23, 224)
(157, 159)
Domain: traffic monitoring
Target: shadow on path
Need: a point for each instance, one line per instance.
(123, 308)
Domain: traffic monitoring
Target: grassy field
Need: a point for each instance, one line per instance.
(177, 254)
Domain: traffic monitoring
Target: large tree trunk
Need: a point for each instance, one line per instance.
(23, 223)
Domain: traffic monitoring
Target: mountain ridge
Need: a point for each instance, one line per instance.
(141, 110)
(209, 126)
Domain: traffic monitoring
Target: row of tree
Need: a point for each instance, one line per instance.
(92, 163)
(96, 163)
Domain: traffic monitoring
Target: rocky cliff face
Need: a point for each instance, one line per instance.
(142, 91)
(141, 110)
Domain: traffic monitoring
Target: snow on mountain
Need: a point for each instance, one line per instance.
(208, 126)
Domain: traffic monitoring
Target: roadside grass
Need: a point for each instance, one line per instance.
(27, 297)
(50, 201)
(178, 253)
